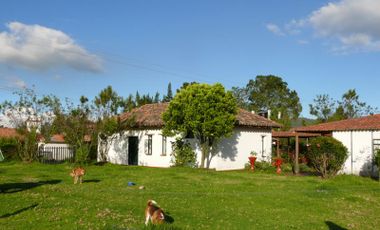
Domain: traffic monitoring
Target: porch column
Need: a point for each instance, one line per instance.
(296, 166)
(278, 147)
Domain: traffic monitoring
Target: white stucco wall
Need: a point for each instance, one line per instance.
(360, 151)
(232, 152)
(118, 150)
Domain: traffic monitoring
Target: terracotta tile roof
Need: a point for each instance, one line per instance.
(57, 138)
(371, 122)
(8, 133)
(279, 134)
(246, 118)
(150, 115)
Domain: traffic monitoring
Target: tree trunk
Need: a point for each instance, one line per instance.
(204, 154)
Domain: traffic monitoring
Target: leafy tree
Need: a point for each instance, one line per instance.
(80, 132)
(169, 95)
(107, 102)
(242, 97)
(327, 155)
(157, 97)
(323, 107)
(271, 93)
(207, 112)
(186, 84)
(326, 109)
(352, 106)
(31, 114)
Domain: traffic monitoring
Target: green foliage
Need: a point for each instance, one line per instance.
(264, 166)
(183, 154)
(327, 109)
(107, 102)
(169, 95)
(8, 147)
(82, 154)
(327, 155)
(27, 148)
(377, 160)
(206, 111)
(323, 107)
(270, 93)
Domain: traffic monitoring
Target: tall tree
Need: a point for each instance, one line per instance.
(157, 97)
(272, 93)
(323, 107)
(242, 97)
(107, 102)
(206, 111)
(352, 106)
(169, 95)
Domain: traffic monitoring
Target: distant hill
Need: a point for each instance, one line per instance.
(303, 121)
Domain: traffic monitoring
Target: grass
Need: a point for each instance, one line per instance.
(37, 196)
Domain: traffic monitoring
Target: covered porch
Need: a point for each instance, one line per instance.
(288, 135)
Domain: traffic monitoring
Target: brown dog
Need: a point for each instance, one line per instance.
(78, 174)
(154, 213)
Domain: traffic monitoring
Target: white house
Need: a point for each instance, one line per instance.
(145, 145)
(361, 136)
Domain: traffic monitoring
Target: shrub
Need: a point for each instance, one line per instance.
(8, 147)
(81, 154)
(263, 166)
(327, 155)
(27, 148)
(377, 161)
(183, 154)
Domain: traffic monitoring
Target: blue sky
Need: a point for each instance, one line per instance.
(74, 48)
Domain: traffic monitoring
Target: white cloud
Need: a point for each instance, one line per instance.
(40, 48)
(348, 25)
(353, 24)
(274, 29)
(12, 82)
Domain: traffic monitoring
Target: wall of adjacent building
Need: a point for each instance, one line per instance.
(360, 151)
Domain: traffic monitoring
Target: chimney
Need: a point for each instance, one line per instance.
(269, 111)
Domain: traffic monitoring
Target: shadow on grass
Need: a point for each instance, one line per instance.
(91, 181)
(333, 226)
(18, 187)
(18, 211)
(101, 163)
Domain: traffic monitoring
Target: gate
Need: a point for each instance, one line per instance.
(55, 154)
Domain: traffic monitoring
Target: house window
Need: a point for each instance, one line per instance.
(376, 144)
(164, 141)
(148, 145)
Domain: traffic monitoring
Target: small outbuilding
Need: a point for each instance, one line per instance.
(361, 136)
(145, 145)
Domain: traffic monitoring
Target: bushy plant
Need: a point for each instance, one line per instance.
(27, 148)
(263, 166)
(81, 154)
(8, 147)
(327, 155)
(183, 154)
(377, 161)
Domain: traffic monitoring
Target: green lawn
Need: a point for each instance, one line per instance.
(37, 196)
